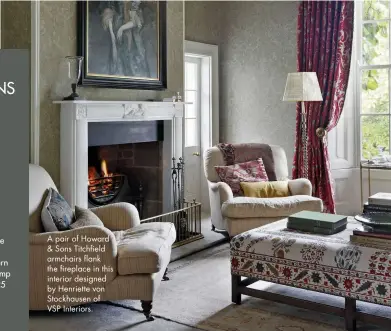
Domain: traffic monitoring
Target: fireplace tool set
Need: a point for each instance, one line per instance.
(178, 182)
(186, 216)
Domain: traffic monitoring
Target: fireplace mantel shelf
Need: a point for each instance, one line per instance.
(104, 111)
(92, 102)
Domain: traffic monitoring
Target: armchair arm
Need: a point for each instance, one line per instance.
(300, 186)
(223, 189)
(118, 216)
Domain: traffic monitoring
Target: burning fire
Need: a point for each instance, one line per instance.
(100, 184)
(93, 173)
(103, 167)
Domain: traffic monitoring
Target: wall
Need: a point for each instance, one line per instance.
(257, 47)
(16, 24)
(58, 39)
(202, 21)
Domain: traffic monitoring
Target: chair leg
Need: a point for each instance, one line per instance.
(236, 296)
(147, 307)
(165, 277)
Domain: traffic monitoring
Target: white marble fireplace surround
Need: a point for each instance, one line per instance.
(75, 116)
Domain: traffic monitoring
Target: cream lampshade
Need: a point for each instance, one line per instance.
(303, 86)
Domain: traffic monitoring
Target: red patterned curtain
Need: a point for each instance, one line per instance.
(324, 45)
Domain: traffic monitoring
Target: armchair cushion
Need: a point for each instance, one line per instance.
(85, 217)
(233, 175)
(56, 213)
(276, 189)
(143, 248)
(243, 207)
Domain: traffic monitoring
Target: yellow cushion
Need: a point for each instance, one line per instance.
(275, 189)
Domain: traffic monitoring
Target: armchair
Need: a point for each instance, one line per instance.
(240, 214)
(137, 254)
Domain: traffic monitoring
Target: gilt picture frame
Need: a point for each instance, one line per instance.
(123, 44)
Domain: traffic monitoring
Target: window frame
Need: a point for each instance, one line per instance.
(361, 67)
(198, 62)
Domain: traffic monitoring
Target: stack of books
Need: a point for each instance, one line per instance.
(376, 221)
(381, 240)
(314, 222)
(379, 202)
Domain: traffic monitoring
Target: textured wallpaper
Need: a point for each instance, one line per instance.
(202, 21)
(58, 39)
(16, 24)
(257, 49)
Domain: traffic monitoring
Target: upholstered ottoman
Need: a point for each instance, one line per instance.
(328, 264)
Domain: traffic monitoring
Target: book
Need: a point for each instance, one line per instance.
(315, 229)
(372, 207)
(381, 199)
(380, 235)
(375, 219)
(315, 219)
(384, 243)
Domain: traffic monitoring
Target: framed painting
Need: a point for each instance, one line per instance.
(123, 44)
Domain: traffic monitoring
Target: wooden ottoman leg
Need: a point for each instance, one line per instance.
(350, 314)
(236, 296)
(147, 307)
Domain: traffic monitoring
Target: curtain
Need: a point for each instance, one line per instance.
(324, 45)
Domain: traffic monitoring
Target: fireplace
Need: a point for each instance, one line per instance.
(125, 165)
(78, 120)
(108, 145)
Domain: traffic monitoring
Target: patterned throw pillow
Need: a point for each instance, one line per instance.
(233, 175)
(85, 217)
(56, 214)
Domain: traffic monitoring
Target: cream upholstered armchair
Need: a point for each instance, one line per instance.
(239, 214)
(138, 254)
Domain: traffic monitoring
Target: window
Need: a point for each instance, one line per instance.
(374, 65)
(193, 95)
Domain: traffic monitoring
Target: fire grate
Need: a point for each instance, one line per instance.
(103, 190)
(187, 222)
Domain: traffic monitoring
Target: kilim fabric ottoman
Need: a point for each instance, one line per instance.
(322, 263)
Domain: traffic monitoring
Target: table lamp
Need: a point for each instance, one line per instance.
(301, 87)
